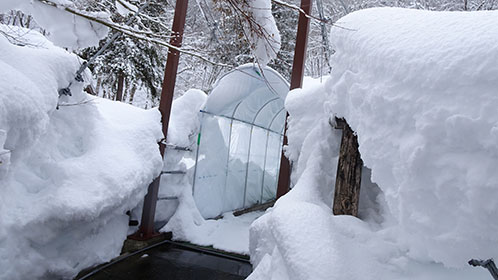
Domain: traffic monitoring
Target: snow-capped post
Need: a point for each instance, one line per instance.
(296, 82)
(146, 230)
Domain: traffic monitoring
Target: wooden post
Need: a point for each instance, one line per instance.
(296, 82)
(348, 179)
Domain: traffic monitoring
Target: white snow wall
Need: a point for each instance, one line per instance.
(64, 29)
(68, 175)
(420, 90)
(176, 189)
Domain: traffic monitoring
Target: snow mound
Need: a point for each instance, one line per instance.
(185, 118)
(419, 89)
(183, 218)
(65, 29)
(182, 132)
(67, 176)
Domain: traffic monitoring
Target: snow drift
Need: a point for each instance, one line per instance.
(419, 89)
(64, 29)
(181, 213)
(67, 176)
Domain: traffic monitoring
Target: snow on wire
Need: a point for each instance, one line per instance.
(66, 91)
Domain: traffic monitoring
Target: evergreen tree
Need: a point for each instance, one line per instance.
(131, 62)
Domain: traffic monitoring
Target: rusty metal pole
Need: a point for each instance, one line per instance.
(146, 230)
(296, 82)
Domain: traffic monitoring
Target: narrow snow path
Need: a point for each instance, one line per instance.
(229, 234)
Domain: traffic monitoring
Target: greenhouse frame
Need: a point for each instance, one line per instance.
(240, 141)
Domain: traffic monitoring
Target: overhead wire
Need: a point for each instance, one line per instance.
(78, 77)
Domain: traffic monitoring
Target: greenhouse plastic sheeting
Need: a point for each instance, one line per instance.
(250, 95)
(240, 141)
(210, 174)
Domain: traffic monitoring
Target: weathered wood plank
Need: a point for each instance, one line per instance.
(348, 179)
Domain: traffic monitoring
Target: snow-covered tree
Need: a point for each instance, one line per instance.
(218, 35)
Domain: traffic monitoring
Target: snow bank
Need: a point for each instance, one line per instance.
(185, 122)
(70, 174)
(64, 29)
(182, 132)
(180, 211)
(182, 215)
(419, 89)
(229, 233)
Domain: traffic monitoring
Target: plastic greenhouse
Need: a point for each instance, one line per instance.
(240, 141)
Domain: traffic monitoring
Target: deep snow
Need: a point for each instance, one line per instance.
(184, 212)
(63, 28)
(69, 175)
(181, 212)
(419, 89)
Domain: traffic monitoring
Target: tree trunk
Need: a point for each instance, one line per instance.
(119, 94)
(132, 93)
(97, 87)
(348, 180)
(28, 21)
(126, 90)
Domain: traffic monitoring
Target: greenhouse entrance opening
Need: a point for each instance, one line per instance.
(240, 141)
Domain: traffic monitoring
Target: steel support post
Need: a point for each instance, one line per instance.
(296, 82)
(264, 166)
(146, 230)
(247, 165)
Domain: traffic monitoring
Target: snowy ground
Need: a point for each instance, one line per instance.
(229, 233)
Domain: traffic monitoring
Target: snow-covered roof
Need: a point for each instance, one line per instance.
(420, 90)
(423, 49)
(250, 94)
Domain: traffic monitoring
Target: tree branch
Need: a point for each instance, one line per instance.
(299, 10)
(130, 32)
